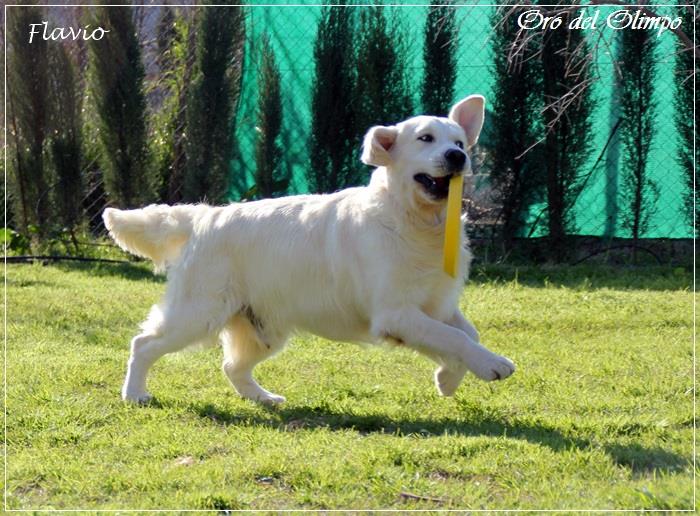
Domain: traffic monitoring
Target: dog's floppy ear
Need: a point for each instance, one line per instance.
(469, 113)
(378, 141)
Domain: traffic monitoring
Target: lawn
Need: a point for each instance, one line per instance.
(599, 414)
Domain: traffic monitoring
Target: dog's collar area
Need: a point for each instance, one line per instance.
(437, 187)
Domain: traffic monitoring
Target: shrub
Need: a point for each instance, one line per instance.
(65, 141)
(688, 126)
(334, 163)
(28, 120)
(175, 60)
(269, 179)
(213, 95)
(116, 77)
(440, 60)
(516, 166)
(566, 62)
(637, 71)
(382, 92)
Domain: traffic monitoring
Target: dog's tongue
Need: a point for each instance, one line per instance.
(441, 182)
(452, 226)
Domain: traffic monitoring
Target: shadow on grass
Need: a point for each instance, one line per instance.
(641, 459)
(27, 283)
(635, 456)
(136, 271)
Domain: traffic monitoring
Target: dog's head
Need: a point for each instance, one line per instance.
(422, 153)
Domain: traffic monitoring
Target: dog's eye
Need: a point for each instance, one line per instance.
(426, 138)
(459, 144)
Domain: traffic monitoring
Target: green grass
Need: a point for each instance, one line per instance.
(599, 414)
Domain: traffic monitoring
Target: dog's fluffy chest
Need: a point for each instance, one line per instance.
(424, 284)
(403, 263)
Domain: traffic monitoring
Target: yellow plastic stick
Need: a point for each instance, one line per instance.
(453, 226)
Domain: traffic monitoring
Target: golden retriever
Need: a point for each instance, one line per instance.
(362, 264)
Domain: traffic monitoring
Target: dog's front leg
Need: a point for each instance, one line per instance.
(448, 344)
(450, 374)
(459, 321)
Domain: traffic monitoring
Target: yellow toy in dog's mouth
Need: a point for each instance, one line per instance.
(453, 226)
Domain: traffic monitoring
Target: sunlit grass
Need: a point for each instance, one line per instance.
(597, 416)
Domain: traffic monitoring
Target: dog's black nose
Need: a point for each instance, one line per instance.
(455, 160)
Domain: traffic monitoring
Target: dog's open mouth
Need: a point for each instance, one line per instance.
(437, 187)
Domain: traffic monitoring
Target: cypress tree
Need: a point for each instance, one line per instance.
(162, 123)
(517, 173)
(440, 59)
(333, 142)
(65, 141)
(568, 103)
(211, 103)
(28, 120)
(637, 68)
(116, 77)
(166, 34)
(269, 179)
(687, 125)
(185, 47)
(382, 92)
(175, 56)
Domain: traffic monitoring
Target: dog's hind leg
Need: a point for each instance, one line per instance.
(244, 348)
(168, 329)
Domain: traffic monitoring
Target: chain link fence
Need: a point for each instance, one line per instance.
(292, 31)
(597, 210)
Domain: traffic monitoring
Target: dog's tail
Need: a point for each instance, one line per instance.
(157, 232)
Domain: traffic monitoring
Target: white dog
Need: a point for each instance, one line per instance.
(363, 264)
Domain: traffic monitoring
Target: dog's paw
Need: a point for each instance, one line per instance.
(272, 399)
(494, 368)
(259, 395)
(447, 380)
(139, 398)
(267, 398)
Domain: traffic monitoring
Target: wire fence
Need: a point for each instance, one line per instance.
(292, 30)
(598, 207)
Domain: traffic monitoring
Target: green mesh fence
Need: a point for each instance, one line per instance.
(292, 30)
